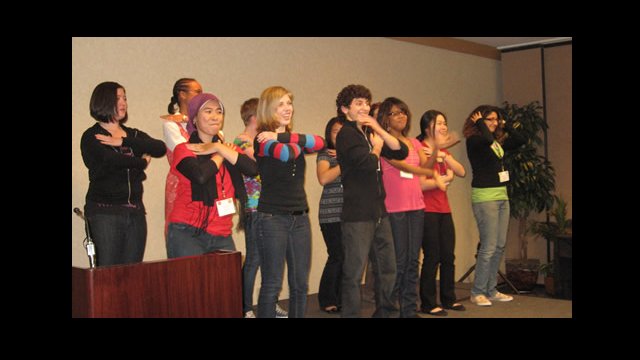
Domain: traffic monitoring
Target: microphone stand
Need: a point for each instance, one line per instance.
(87, 243)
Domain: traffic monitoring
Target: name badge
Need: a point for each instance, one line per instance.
(226, 207)
(504, 175)
(406, 175)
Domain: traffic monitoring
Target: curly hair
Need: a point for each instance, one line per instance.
(350, 92)
(469, 129)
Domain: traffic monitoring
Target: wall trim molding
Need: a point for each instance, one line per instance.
(457, 45)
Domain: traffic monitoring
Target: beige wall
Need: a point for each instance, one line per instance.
(314, 69)
(522, 82)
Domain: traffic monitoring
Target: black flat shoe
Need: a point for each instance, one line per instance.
(455, 307)
(331, 310)
(431, 312)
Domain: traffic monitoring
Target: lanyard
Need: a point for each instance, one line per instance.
(497, 149)
(222, 172)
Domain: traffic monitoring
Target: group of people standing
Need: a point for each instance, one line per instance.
(384, 195)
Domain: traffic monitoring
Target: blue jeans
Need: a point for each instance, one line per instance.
(183, 241)
(407, 227)
(493, 222)
(330, 292)
(359, 240)
(251, 260)
(119, 238)
(283, 237)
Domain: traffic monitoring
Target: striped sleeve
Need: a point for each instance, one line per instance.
(280, 151)
(310, 143)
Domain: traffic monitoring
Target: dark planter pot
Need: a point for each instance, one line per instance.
(549, 286)
(523, 274)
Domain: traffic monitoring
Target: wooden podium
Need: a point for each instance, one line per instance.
(207, 285)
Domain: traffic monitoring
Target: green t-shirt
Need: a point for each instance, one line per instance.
(479, 195)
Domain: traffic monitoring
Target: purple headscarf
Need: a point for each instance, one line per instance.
(195, 104)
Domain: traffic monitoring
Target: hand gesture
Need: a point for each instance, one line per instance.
(476, 116)
(451, 139)
(147, 157)
(204, 149)
(177, 118)
(266, 136)
(366, 120)
(109, 140)
(376, 140)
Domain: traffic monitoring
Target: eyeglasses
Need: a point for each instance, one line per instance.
(396, 113)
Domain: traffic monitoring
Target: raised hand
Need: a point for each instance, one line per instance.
(476, 116)
(366, 120)
(449, 140)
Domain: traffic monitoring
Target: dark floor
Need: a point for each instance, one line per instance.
(536, 304)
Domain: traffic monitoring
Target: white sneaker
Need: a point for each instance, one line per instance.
(480, 300)
(249, 315)
(281, 313)
(498, 296)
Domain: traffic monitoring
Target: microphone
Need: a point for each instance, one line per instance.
(79, 213)
(87, 242)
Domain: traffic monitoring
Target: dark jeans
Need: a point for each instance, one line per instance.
(251, 260)
(438, 245)
(119, 238)
(369, 288)
(183, 241)
(330, 292)
(359, 238)
(407, 229)
(283, 237)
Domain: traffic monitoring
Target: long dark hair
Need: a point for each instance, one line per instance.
(327, 130)
(470, 129)
(428, 121)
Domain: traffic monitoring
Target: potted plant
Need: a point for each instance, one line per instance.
(531, 186)
(551, 230)
(547, 271)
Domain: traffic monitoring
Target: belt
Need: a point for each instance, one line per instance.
(301, 212)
